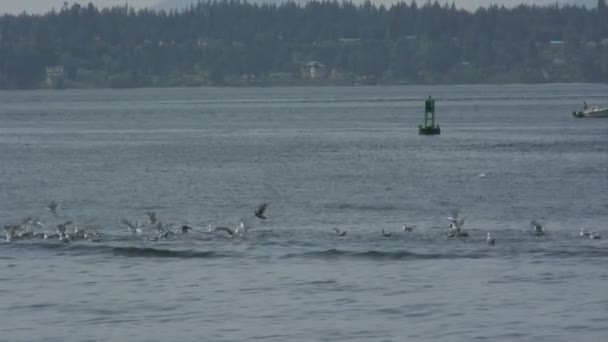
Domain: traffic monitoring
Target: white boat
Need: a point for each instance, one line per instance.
(591, 112)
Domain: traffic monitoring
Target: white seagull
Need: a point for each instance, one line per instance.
(9, 232)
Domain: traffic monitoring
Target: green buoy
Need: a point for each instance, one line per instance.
(429, 127)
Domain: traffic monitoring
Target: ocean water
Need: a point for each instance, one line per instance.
(323, 158)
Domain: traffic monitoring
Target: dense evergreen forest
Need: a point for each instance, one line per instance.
(231, 42)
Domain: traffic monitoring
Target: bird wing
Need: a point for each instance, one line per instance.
(260, 210)
(151, 216)
(53, 206)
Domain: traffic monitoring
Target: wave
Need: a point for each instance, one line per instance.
(587, 253)
(164, 253)
(362, 207)
(124, 251)
(512, 249)
(381, 255)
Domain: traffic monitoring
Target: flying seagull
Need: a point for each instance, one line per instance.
(53, 206)
(259, 212)
(152, 217)
(133, 228)
(340, 232)
(456, 220)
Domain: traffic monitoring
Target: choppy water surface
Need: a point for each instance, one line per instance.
(322, 157)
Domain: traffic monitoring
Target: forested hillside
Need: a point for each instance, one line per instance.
(239, 43)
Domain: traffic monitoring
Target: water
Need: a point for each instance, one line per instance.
(322, 157)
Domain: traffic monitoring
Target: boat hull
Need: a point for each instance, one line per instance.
(592, 113)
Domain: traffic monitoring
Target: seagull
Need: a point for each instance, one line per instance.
(388, 235)
(25, 230)
(53, 206)
(152, 217)
(594, 236)
(408, 227)
(583, 233)
(160, 228)
(340, 232)
(241, 228)
(456, 220)
(9, 232)
(456, 231)
(456, 223)
(92, 235)
(63, 236)
(50, 235)
(31, 220)
(490, 240)
(259, 212)
(88, 233)
(538, 228)
(133, 228)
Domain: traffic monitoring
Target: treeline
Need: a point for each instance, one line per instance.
(234, 42)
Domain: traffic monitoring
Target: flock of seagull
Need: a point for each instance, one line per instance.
(154, 229)
(67, 230)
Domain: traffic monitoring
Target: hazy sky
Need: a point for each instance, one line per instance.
(41, 6)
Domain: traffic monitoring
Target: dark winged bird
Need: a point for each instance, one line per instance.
(152, 217)
(340, 232)
(259, 212)
(53, 206)
(538, 228)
